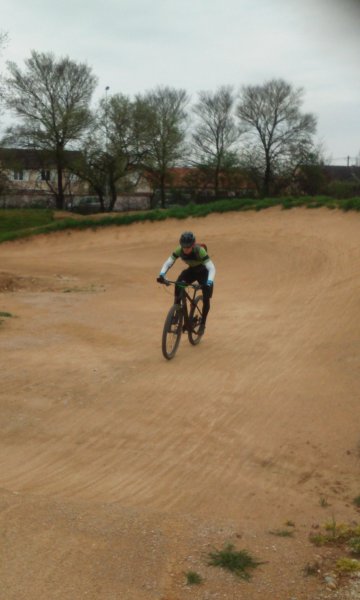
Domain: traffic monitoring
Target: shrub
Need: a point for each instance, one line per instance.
(348, 565)
(354, 544)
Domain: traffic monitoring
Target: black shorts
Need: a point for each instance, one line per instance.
(199, 274)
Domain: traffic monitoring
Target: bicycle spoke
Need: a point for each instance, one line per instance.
(172, 332)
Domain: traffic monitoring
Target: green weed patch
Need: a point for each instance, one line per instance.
(12, 220)
(239, 562)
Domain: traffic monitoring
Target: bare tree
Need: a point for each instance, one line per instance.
(4, 38)
(3, 43)
(51, 98)
(216, 133)
(163, 118)
(277, 134)
(4, 182)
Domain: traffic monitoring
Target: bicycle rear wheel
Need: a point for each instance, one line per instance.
(195, 317)
(172, 332)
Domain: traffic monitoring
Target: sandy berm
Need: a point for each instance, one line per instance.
(120, 471)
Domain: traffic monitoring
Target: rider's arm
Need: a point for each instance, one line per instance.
(211, 269)
(170, 261)
(167, 265)
(207, 262)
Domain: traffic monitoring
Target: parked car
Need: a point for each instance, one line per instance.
(85, 206)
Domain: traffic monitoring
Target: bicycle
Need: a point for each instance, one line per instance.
(185, 316)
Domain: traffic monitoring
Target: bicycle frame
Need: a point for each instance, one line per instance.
(185, 317)
(185, 299)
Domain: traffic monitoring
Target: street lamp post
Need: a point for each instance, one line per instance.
(106, 148)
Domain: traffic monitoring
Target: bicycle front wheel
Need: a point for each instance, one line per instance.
(172, 332)
(195, 317)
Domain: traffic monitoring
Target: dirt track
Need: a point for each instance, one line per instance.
(120, 470)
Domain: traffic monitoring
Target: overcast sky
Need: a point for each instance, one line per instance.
(135, 45)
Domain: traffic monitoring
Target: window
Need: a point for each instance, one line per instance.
(18, 175)
(45, 175)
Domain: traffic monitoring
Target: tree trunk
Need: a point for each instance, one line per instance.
(113, 197)
(267, 178)
(101, 200)
(60, 189)
(162, 190)
(60, 185)
(216, 180)
(152, 200)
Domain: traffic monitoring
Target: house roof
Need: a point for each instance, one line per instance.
(188, 177)
(30, 159)
(341, 172)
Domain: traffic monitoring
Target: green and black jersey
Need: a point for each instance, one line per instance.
(198, 255)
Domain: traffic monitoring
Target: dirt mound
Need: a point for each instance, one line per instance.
(11, 283)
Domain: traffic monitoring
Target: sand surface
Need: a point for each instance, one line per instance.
(120, 471)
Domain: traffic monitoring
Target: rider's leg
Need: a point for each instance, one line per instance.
(207, 293)
(189, 277)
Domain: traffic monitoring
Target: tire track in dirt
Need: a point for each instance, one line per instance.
(256, 422)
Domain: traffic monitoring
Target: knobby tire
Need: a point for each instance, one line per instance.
(172, 332)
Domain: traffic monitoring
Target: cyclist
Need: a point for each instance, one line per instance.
(200, 268)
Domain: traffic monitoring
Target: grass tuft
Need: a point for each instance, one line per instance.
(335, 534)
(282, 532)
(348, 565)
(239, 562)
(354, 545)
(341, 536)
(356, 501)
(311, 569)
(193, 578)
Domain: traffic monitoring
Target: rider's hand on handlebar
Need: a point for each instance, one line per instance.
(160, 279)
(209, 283)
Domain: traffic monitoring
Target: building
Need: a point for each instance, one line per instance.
(30, 178)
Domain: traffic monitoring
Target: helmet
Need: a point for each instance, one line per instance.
(187, 239)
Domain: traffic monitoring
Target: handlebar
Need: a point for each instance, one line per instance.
(181, 284)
